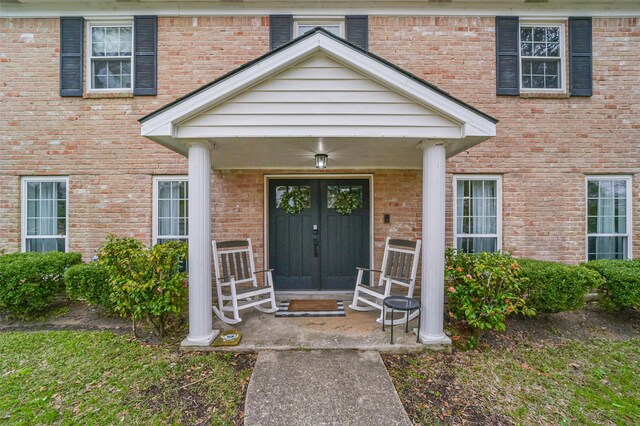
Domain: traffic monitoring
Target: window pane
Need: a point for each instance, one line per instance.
(540, 74)
(62, 190)
(62, 227)
(111, 41)
(183, 227)
(125, 41)
(62, 209)
(539, 34)
(334, 190)
(45, 244)
(164, 208)
(111, 73)
(553, 49)
(183, 189)
(33, 227)
(164, 226)
(164, 189)
(306, 191)
(607, 248)
(477, 245)
(526, 34)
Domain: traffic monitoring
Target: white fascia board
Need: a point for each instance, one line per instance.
(35, 9)
(165, 122)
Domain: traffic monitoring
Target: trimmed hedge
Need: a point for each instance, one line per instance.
(89, 281)
(556, 287)
(29, 282)
(621, 286)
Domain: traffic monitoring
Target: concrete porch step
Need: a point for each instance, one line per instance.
(322, 388)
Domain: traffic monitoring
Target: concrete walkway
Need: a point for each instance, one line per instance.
(326, 387)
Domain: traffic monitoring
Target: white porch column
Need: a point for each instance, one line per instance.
(433, 222)
(200, 313)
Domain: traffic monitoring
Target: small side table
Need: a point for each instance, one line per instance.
(401, 303)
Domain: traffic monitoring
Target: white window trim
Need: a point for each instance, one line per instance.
(317, 21)
(563, 59)
(97, 22)
(629, 223)
(156, 180)
(498, 235)
(23, 209)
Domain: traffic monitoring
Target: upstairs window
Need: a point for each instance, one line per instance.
(542, 57)
(608, 217)
(110, 48)
(303, 26)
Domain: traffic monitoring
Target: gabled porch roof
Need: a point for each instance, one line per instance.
(318, 93)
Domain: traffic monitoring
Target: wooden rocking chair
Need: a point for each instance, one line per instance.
(397, 278)
(236, 281)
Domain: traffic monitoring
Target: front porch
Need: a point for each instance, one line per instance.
(355, 331)
(317, 95)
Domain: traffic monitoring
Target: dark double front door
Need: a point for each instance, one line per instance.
(318, 248)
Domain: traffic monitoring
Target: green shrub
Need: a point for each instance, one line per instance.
(146, 283)
(29, 282)
(621, 286)
(89, 281)
(483, 289)
(556, 287)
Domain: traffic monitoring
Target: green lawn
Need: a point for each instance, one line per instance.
(103, 378)
(586, 383)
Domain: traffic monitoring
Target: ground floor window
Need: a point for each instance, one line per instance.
(608, 217)
(44, 214)
(171, 208)
(478, 213)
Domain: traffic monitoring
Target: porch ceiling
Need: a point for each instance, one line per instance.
(318, 94)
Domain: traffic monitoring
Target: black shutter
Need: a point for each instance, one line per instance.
(71, 47)
(280, 30)
(580, 60)
(357, 30)
(145, 64)
(507, 61)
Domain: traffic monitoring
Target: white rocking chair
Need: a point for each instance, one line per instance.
(397, 278)
(236, 281)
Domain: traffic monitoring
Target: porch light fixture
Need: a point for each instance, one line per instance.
(321, 161)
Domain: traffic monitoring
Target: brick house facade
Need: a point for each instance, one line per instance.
(543, 150)
(546, 145)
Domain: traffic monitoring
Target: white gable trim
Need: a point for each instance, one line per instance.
(163, 125)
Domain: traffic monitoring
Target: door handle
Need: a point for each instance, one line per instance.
(315, 247)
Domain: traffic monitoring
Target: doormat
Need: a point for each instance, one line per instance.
(227, 338)
(310, 308)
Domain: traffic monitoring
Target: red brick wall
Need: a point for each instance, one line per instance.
(543, 149)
